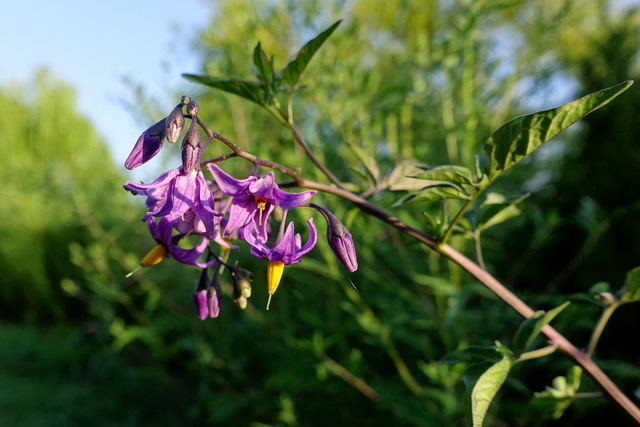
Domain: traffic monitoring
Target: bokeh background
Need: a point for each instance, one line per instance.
(399, 81)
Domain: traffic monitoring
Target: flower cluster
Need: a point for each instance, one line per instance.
(187, 215)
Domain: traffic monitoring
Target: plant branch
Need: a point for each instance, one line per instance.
(554, 337)
(300, 140)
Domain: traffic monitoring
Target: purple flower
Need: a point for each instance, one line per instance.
(254, 198)
(148, 145)
(288, 250)
(175, 194)
(162, 232)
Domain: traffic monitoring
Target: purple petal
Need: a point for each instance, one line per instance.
(228, 184)
(240, 213)
(291, 200)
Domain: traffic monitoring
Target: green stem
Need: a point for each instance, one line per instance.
(478, 246)
(454, 221)
(597, 331)
(541, 352)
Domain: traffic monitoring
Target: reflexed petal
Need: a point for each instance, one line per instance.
(291, 200)
(228, 184)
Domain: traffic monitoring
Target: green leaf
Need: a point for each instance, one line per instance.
(398, 176)
(244, 88)
(531, 327)
(264, 66)
(482, 385)
(454, 174)
(294, 69)
(552, 402)
(496, 213)
(631, 289)
(436, 191)
(520, 137)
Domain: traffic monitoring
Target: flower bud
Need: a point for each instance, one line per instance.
(200, 301)
(193, 108)
(175, 123)
(214, 299)
(242, 302)
(148, 145)
(339, 239)
(200, 295)
(191, 148)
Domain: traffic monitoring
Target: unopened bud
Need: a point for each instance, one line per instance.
(245, 288)
(606, 298)
(339, 239)
(191, 148)
(200, 295)
(175, 123)
(193, 108)
(148, 145)
(214, 299)
(242, 302)
(200, 301)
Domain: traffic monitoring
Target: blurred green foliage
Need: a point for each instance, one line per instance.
(399, 83)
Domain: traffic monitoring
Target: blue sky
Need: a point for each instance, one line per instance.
(92, 45)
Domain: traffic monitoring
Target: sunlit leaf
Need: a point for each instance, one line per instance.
(496, 213)
(531, 327)
(398, 177)
(245, 88)
(483, 382)
(264, 66)
(450, 173)
(294, 69)
(520, 137)
(436, 191)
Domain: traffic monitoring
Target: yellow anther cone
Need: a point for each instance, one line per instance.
(274, 274)
(155, 255)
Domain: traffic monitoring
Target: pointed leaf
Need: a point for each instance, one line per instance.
(496, 213)
(455, 174)
(631, 289)
(482, 385)
(245, 88)
(398, 177)
(368, 161)
(520, 137)
(436, 191)
(264, 66)
(531, 327)
(296, 67)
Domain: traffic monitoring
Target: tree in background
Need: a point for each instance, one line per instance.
(56, 173)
